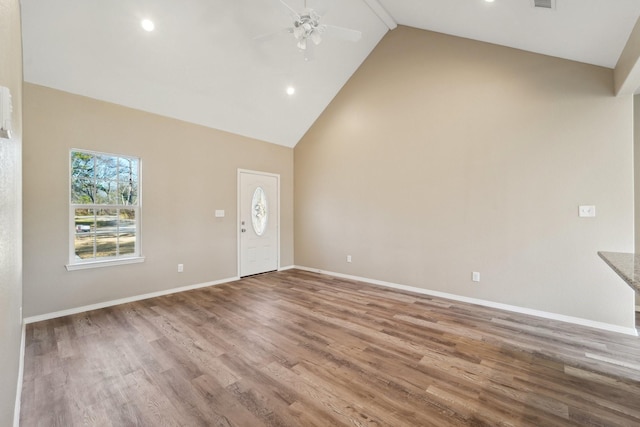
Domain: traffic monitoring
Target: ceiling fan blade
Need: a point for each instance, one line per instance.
(343, 33)
(273, 34)
(288, 9)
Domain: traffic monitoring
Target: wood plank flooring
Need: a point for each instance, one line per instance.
(296, 348)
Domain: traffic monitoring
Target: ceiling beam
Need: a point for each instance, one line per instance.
(382, 13)
(626, 75)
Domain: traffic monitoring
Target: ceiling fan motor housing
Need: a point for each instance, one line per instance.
(308, 27)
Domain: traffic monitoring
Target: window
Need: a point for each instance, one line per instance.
(104, 210)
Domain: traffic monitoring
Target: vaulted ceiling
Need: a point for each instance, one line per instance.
(206, 62)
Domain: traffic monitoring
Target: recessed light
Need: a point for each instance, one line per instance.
(291, 90)
(147, 24)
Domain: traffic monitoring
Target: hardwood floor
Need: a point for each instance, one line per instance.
(300, 349)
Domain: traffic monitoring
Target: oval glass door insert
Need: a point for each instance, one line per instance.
(259, 211)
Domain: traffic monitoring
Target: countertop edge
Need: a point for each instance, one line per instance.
(626, 265)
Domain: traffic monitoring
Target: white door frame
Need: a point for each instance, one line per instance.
(238, 219)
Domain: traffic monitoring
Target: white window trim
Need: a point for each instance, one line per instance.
(135, 258)
(104, 263)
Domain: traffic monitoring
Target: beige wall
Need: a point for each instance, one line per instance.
(10, 212)
(442, 156)
(626, 74)
(188, 172)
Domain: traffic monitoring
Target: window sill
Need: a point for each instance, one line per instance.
(98, 264)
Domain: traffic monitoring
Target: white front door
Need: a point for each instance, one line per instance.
(258, 220)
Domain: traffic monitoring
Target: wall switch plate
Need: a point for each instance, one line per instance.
(475, 276)
(180, 268)
(587, 211)
(219, 213)
(348, 258)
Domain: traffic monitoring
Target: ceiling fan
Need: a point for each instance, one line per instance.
(308, 30)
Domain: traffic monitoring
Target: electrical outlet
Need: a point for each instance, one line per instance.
(180, 268)
(348, 258)
(475, 276)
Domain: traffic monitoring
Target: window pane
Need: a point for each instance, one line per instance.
(127, 220)
(106, 167)
(127, 243)
(84, 245)
(128, 169)
(84, 233)
(82, 177)
(128, 181)
(127, 238)
(259, 211)
(128, 193)
(82, 165)
(106, 245)
(84, 220)
(106, 193)
(106, 233)
(82, 191)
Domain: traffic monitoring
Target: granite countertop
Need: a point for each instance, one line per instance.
(627, 265)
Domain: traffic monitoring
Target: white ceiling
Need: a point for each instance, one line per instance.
(202, 64)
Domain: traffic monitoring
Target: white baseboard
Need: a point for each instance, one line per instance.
(516, 309)
(16, 410)
(637, 307)
(82, 309)
(288, 267)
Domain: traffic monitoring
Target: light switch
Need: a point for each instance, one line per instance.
(219, 213)
(586, 211)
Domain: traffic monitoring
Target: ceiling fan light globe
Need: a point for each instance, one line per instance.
(316, 38)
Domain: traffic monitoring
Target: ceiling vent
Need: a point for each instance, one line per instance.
(544, 4)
